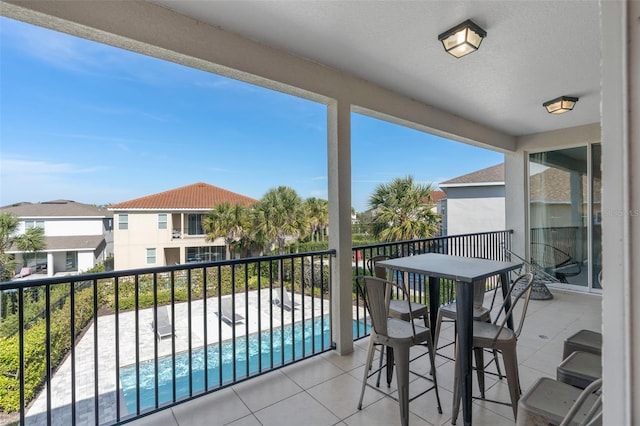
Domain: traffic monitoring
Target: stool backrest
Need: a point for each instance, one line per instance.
(520, 289)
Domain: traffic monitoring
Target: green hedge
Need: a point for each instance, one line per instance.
(35, 350)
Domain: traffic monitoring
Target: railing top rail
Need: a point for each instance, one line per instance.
(14, 285)
(419, 240)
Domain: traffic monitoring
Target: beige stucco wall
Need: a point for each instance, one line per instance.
(130, 245)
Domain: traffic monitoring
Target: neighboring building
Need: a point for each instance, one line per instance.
(437, 197)
(77, 236)
(474, 202)
(166, 228)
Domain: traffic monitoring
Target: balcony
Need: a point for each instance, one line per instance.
(141, 374)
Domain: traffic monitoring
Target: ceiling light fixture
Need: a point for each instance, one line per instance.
(462, 39)
(560, 105)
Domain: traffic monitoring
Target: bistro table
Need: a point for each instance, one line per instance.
(464, 271)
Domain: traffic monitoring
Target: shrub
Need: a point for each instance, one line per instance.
(35, 349)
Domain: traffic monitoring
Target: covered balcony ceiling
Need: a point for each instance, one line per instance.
(534, 51)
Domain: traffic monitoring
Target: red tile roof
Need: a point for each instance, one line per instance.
(437, 195)
(191, 197)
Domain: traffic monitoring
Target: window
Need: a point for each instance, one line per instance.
(162, 221)
(38, 261)
(195, 224)
(34, 224)
(72, 261)
(151, 256)
(564, 214)
(205, 254)
(123, 221)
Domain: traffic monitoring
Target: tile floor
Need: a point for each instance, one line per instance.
(325, 390)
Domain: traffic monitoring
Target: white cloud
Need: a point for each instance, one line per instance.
(25, 168)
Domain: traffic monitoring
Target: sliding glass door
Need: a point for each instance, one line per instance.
(564, 214)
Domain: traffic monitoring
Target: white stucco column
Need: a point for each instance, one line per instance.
(516, 201)
(50, 264)
(339, 173)
(621, 211)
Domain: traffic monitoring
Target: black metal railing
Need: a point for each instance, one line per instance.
(127, 343)
(485, 245)
(124, 344)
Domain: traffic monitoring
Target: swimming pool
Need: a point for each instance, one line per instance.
(261, 355)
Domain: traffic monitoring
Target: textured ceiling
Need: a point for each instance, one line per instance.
(534, 51)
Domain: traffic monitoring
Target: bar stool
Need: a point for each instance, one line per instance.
(580, 369)
(583, 340)
(550, 402)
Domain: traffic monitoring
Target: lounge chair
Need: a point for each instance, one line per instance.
(286, 301)
(163, 328)
(227, 315)
(24, 272)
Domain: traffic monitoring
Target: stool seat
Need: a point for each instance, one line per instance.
(580, 369)
(583, 340)
(547, 403)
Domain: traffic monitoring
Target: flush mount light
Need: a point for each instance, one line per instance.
(462, 39)
(560, 105)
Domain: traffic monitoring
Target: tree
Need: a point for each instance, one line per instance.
(31, 241)
(279, 215)
(402, 210)
(317, 212)
(228, 221)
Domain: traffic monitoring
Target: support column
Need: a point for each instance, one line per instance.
(620, 27)
(50, 264)
(339, 173)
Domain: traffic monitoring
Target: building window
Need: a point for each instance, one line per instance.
(205, 254)
(123, 221)
(34, 224)
(37, 261)
(151, 256)
(195, 224)
(162, 221)
(72, 261)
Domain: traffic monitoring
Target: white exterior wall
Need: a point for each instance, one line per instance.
(66, 226)
(474, 208)
(69, 227)
(86, 260)
(471, 215)
(63, 227)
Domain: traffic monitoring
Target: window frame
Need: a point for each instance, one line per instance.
(152, 256)
(123, 221)
(164, 222)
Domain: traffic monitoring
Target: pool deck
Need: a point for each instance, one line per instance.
(259, 315)
(321, 391)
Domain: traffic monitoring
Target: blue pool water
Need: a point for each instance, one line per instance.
(220, 365)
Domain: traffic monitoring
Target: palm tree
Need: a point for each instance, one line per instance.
(317, 212)
(279, 215)
(228, 221)
(402, 210)
(31, 241)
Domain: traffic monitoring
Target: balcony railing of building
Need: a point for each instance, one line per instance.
(109, 347)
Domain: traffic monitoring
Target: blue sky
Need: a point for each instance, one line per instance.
(98, 125)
